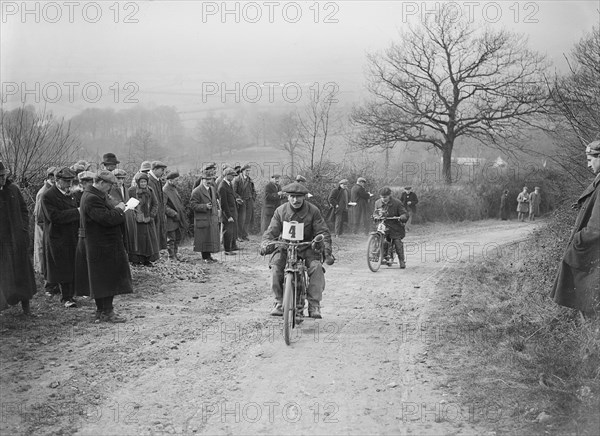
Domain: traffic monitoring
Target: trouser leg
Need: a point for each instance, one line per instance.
(241, 221)
(399, 246)
(249, 221)
(316, 282)
(171, 243)
(67, 291)
(339, 222)
(277, 265)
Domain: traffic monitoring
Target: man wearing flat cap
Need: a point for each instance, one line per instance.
(61, 225)
(86, 179)
(155, 183)
(229, 215)
(359, 210)
(244, 188)
(17, 280)
(118, 193)
(206, 217)
(338, 202)
(38, 235)
(273, 198)
(109, 161)
(210, 167)
(177, 223)
(577, 284)
(299, 210)
(106, 272)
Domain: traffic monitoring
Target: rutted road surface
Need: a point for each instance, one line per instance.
(207, 359)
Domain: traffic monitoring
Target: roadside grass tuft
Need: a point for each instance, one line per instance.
(520, 351)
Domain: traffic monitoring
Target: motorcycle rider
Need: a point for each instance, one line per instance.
(387, 206)
(299, 210)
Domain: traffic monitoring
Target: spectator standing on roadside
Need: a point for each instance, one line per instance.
(577, 283)
(177, 222)
(523, 204)
(143, 242)
(229, 215)
(360, 210)
(61, 225)
(244, 188)
(38, 235)
(271, 201)
(156, 184)
(535, 198)
(119, 193)
(17, 280)
(206, 217)
(338, 201)
(409, 200)
(86, 178)
(145, 167)
(504, 206)
(107, 270)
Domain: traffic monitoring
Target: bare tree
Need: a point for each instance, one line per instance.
(315, 124)
(577, 100)
(286, 135)
(446, 79)
(218, 134)
(142, 146)
(31, 141)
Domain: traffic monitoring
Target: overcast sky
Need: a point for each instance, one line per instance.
(168, 52)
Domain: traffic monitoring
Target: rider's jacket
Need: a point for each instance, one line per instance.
(308, 214)
(393, 208)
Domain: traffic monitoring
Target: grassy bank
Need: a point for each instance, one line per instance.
(516, 360)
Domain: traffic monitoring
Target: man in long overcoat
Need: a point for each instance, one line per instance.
(229, 214)
(177, 221)
(360, 211)
(38, 235)
(338, 201)
(17, 281)
(410, 200)
(107, 270)
(156, 184)
(271, 201)
(243, 186)
(206, 217)
(577, 282)
(61, 225)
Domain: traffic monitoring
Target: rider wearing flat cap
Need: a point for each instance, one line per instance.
(301, 211)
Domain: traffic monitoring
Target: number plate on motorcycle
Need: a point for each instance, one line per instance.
(381, 227)
(293, 231)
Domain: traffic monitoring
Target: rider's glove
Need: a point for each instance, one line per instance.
(403, 218)
(329, 259)
(317, 246)
(267, 248)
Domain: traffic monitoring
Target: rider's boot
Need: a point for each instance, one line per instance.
(277, 309)
(400, 251)
(314, 311)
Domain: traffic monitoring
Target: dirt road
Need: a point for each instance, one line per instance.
(205, 358)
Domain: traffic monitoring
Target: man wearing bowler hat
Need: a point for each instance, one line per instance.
(156, 184)
(109, 161)
(61, 224)
(17, 280)
(102, 250)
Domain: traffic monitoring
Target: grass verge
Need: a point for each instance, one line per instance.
(519, 363)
